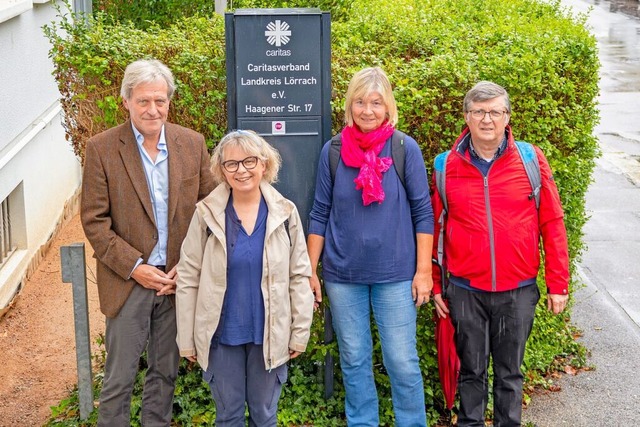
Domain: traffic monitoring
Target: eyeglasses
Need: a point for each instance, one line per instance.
(493, 114)
(233, 165)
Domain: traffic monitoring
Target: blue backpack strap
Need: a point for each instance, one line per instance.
(440, 170)
(532, 167)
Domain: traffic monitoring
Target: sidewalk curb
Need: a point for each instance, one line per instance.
(628, 165)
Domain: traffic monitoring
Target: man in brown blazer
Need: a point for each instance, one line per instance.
(141, 182)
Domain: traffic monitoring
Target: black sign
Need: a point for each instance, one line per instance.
(278, 66)
(279, 85)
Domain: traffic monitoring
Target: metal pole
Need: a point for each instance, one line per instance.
(328, 358)
(83, 9)
(74, 272)
(220, 6)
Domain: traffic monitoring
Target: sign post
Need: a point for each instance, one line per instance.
(279, 85)
(74, 272)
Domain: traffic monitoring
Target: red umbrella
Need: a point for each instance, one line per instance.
(448, 361)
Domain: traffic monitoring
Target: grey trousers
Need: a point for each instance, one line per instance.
(145, 321)
(496, 324)
(236, 374)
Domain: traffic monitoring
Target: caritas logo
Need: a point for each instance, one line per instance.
(278, 128)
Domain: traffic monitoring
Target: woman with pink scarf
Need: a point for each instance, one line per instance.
(373, 234)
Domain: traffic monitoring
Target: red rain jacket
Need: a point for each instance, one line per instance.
(493, 229)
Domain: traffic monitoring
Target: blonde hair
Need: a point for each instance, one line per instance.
(365, 82)
(254, 145)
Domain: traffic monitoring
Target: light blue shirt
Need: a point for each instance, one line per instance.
(157, 174)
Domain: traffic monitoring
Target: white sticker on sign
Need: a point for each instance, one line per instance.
(278, 128)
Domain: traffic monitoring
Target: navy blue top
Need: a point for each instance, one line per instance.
(242, 318)
(375, 243)
(482, 164)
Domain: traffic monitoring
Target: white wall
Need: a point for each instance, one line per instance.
(37, 165)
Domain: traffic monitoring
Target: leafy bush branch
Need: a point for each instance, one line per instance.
(433, 51)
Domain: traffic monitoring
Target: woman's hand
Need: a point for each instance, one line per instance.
(421, 288)
(316, 288)
(315, 243)
(293, 354)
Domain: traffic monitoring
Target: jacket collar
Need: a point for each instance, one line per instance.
(212, 208)
(463, 147)
(129, 151)
(132, 161)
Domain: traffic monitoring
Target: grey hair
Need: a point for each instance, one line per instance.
(146, 71)
(484, 91)
(254, 145)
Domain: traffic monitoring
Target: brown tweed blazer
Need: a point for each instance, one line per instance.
(116, 210)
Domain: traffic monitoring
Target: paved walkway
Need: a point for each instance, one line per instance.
(607, 308)
(609, 395)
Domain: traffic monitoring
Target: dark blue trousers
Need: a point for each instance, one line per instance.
(236, 375)
(495, 324)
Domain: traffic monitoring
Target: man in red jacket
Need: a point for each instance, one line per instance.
(491, 237)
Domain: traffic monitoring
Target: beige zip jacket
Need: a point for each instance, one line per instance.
(202, 279)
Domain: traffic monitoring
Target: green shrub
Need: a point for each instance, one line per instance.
(148, 13)
(144, 14)
(433, 51)
(90, 59)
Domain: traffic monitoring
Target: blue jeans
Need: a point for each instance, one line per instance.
(395, 316)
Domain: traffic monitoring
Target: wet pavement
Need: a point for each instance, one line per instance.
(607, 308)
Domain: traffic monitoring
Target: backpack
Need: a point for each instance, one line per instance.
(531, 166)
(398, 154)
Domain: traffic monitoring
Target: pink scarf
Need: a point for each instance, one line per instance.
(360, 150)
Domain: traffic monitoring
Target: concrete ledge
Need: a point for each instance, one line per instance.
(20, 267)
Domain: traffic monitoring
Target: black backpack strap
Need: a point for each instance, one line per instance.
(334, 155)
(398, 154)
(286, 227)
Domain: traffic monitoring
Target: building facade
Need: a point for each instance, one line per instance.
(39, 173)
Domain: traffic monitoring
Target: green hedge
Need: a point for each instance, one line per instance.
(145, 13)
(433, 51)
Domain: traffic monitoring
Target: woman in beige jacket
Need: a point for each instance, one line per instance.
(243, 300)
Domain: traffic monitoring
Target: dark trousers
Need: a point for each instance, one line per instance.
(236, 374)
(145, 321)
(496, 324)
